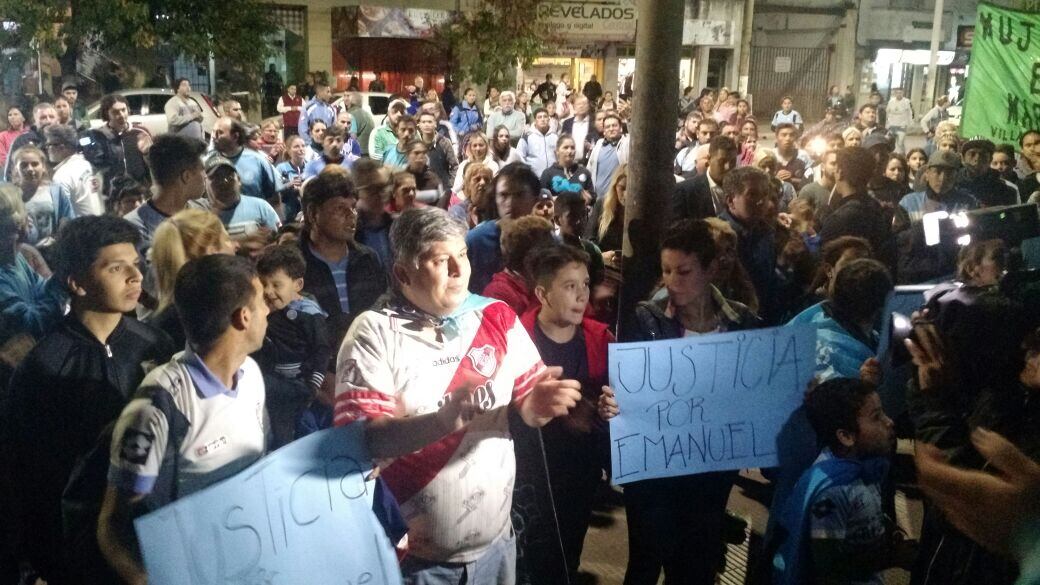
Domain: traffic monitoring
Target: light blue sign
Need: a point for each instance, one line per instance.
(706, 403)
(301, 515)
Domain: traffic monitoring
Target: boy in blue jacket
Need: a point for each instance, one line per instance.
(833, 528)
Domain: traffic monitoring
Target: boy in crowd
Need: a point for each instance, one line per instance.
(75, 382)
(296, 348)
(157, 455)
(331, 154)
(834, 526)
(575, 445)
(572, 216)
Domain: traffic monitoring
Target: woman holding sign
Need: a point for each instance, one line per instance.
(676, 523)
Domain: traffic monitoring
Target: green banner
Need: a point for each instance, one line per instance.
(1003, 94)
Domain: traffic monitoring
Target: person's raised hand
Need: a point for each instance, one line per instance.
(459, 410)
(991, 508)
(607, 405)
(550, 397)
(870, 371)
(783, 175)
(927, 352)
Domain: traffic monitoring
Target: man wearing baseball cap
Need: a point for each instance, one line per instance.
(940, 192)
(977, 178)
(242, 216)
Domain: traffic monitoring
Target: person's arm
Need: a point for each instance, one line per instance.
(303, 126)
(36, 314)
(115, 535)
(453, 163)
(388, 437)
(522, 149)
(281, 107)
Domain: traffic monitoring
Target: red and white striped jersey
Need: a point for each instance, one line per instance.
(456, 493)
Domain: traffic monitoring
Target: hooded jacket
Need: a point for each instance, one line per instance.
(68, 389)
(538, 150)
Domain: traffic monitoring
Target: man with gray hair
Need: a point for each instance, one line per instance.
(508, 116)
(72, 171)
(433, 371)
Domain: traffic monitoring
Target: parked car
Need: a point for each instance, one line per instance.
(374, 103)
(147, 109)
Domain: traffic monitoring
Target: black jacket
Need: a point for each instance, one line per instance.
(366, 282)
(68, 389)
(115, 155)
(862, 216)
(653, 324)
(692, 199)
(988, 188)
(555, 179)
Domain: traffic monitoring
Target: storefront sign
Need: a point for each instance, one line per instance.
(707, 33)
(1003, 98)
(606, 20)
(964, 36)
(409, 23)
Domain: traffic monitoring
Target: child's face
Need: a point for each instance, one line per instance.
(280, 289)
(876, 436)
(568, 294)
(113, 283)
(572, 220)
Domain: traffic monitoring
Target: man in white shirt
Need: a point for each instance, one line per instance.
(72, 171)
(197, 419)
(900, 117)
(580, 127)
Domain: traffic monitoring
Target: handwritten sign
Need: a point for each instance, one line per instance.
(301, 515)
(708, 403)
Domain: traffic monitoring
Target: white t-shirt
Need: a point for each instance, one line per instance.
(76, 177)
(225, 432)
(456, 494)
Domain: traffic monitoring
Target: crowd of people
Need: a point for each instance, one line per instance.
(173, 307)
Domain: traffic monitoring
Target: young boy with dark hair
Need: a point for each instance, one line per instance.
(571, 212)
(833, 527)
(296, 348)
(76, 381)
(575, 445)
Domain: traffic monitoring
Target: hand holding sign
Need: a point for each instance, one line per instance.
(705, 403)
(550, 398)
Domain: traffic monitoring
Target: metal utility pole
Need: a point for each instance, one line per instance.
(650, 181)
(933, 61)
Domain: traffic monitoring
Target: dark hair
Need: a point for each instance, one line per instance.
(62, 134)
(856, 165)
(612, 115)
(208, 291)
(867, 107)
(334, 131)
(860, 289)
(834, 405)
(972, 256)
(540, 110)
(9, 108)
(80, 241)
(569, 203)
(738, 180)
(177, 83)
(1022, 139)
(522, 175)
(405, 119)
(171, 155)
(786, 126)
(521, 236)
(110, 100)
(125, 186)
(325, 186)
(724, 145)
(287, 258)
(691, 236)
(833, 250)
(707, 122)
(543, 265)
(1007, 149)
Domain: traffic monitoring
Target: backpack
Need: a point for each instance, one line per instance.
(85, 490)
